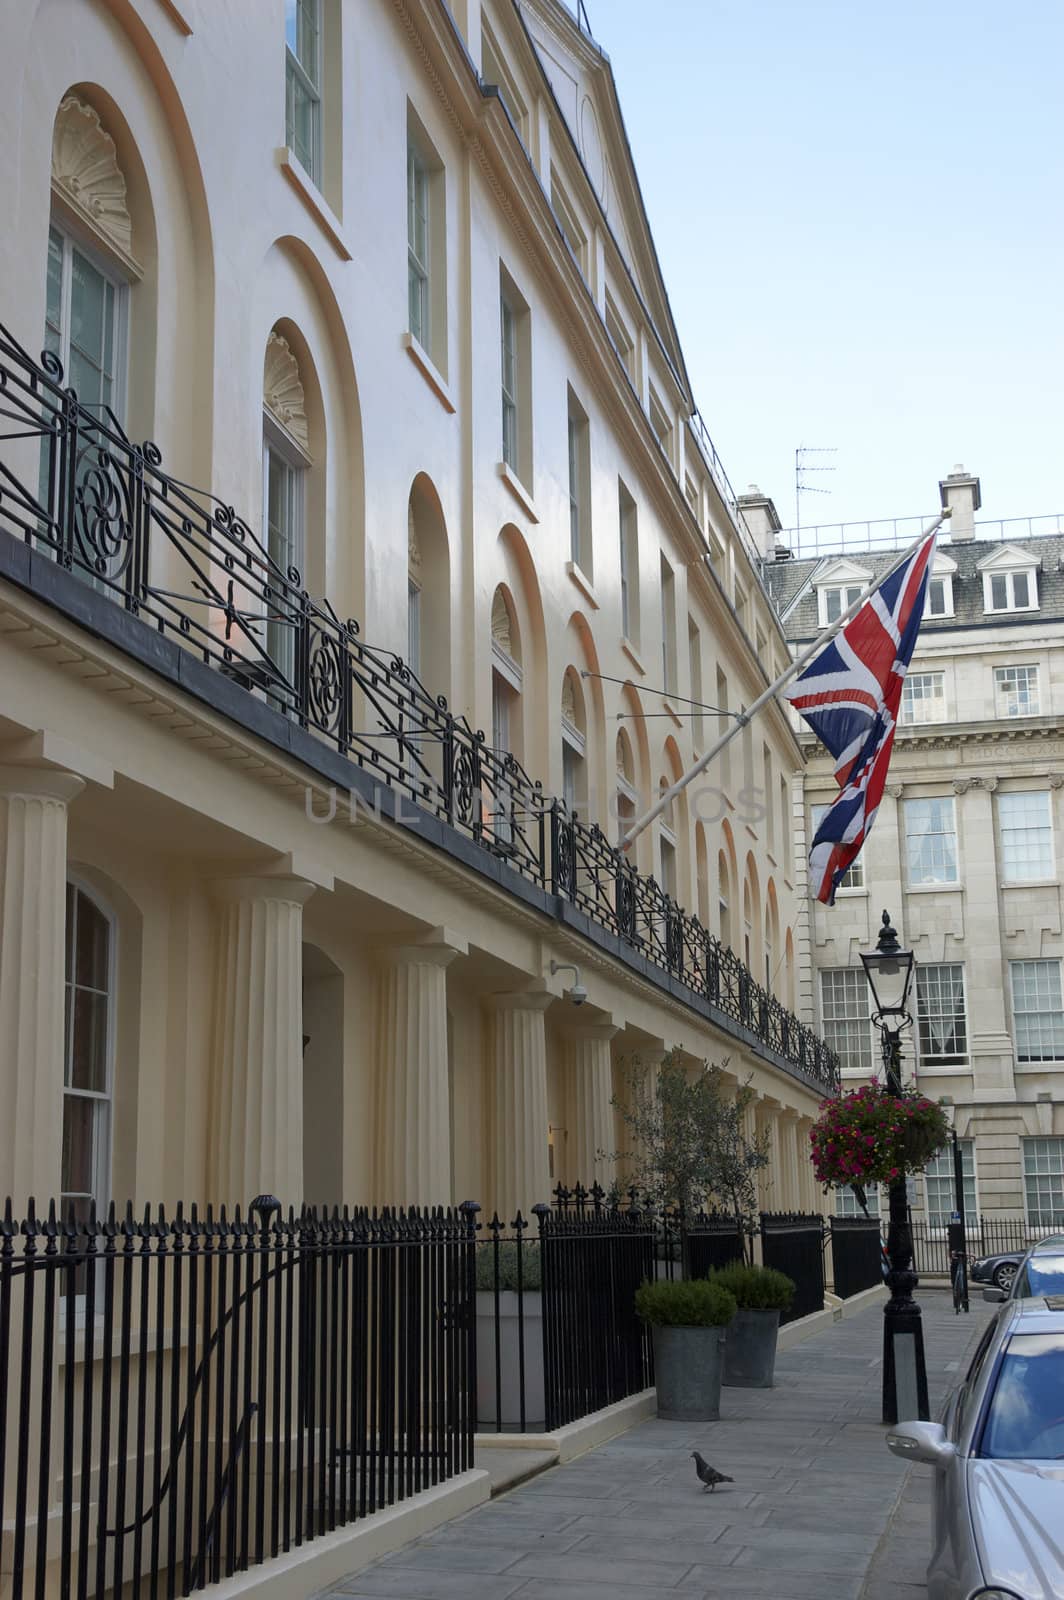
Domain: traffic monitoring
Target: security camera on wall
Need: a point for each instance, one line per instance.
(577, 994)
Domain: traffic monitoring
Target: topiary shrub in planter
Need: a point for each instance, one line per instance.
(761, 1295)
(688, 1320)
(514, 1311)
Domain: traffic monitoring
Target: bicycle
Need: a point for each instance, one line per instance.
(958, 1272)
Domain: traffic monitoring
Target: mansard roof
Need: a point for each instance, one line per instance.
(793, 584)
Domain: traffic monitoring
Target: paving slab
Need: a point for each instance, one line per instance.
(818, 1508)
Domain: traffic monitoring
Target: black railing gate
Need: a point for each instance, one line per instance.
(181, 1400)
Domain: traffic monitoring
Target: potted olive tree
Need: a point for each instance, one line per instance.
(761, 1295)
(688, 1319)
(690, 1143)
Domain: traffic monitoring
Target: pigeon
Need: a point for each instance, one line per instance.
(707, 1475)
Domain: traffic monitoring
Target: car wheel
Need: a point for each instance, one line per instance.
(1004, 1274)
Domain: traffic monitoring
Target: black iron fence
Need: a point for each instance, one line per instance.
(856, 1255)
(793, 1242)
(75, 488)
(557, 1333)
(182, 1399)
(986, 1236)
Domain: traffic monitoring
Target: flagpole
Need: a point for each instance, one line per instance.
(666, 798)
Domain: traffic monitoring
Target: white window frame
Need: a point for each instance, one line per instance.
(846, 1203)
(73, 240)
(946, 581)
(296, 71)
(618, 335)
(852, 881)
(1008, 829)
(907, 811)
(946, 1061)
(936, 700)
(1008, 695)
(413, 626)
(419, 265)
(511, 384)
(831, 594)
(940, 1171)
(1009, 577)
(1028, 1055)
(102, 1147)
(280, 636)
(1028, 1150)
(862, 1016)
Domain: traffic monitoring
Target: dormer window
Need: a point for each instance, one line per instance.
(1010, 580)
(1010, 591)
(940, 597)
(837, 587)
(834, 602)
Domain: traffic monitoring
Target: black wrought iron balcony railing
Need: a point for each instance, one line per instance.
(75, 488)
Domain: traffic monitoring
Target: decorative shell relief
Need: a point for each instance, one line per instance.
(85, 169)
(569, 700)
(501, 628)
(413, 549)
(282, 390)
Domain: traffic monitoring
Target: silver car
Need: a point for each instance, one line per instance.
(998, 1487)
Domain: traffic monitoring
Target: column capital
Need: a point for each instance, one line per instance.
(290, 891)
(533, 999)
(602, 1028)
(40, 783)
(436, 948)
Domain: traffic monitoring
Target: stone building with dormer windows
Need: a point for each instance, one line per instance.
(967, 850)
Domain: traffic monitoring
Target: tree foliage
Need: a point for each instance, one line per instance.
(687, 1137)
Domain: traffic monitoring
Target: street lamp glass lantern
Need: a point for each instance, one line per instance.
(889, 970)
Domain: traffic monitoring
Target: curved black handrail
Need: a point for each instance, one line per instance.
(189, 565)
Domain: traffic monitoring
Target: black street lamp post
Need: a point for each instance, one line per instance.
(958, 1227)
(889, 970)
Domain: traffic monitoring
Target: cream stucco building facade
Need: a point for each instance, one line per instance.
(967, 846)
(378, 276)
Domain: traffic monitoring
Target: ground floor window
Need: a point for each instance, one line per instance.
(846, 1203)
(1043, 1180)
(939, 1188)
(87, 1074)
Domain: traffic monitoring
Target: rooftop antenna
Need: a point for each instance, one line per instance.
(801, 468)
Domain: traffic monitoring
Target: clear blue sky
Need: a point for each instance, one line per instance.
(858, 212)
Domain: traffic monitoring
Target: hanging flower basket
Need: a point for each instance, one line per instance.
(871, 1137)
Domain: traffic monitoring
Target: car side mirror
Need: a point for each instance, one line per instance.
(995, 1296)
(921, 1441)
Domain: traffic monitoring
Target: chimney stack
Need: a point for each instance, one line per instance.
(761, 518)
(960, 494)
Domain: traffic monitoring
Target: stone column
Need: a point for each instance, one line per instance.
(413, 1073)
(33, 865)
(520, 1163)
(589, 1071)
(773, 1179)
(256, 1133)
(791, 1159)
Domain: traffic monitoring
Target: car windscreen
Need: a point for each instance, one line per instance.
(1040, 1275)
(1025, 1418)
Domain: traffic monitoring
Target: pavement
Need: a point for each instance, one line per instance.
(819, 1510)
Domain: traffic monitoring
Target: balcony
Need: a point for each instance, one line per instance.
(91, 524)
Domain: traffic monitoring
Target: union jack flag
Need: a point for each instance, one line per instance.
(849, 695)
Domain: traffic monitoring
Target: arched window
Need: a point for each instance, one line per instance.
(702, 874)
(724, 900)
(506, 680)
(413, 592)
(748, 924)
(506, 675)
(667, 844)
(574, 744)
(286, 461)
(88, 1071)
(626, 791)
(90, 268)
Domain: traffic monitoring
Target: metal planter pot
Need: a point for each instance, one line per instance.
(750, 1356)
(688, 1368)
(512, 1314)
